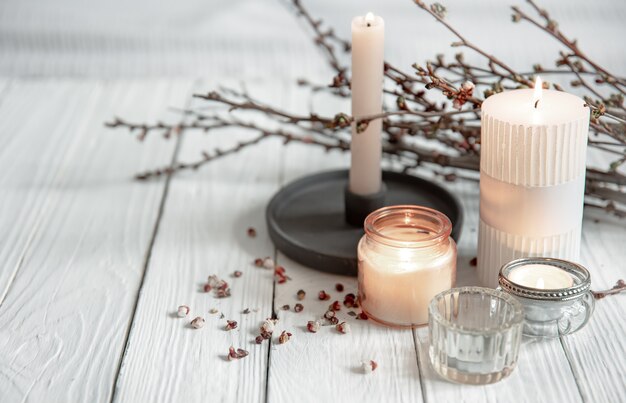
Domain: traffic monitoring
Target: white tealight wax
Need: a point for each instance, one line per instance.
(541, 276)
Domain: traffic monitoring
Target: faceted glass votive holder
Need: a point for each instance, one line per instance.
(552, 312)
(475, 334)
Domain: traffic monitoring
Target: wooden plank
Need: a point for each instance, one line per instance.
(32, 152)
(596, 351)
(203, 232)
(80, 230)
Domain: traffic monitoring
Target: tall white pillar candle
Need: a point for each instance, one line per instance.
(532, 177)
(368, 38)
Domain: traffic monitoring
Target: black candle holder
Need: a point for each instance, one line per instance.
(317, 221)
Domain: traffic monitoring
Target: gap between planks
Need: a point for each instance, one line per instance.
(148, 253)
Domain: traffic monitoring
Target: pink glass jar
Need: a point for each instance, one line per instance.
(406, 257)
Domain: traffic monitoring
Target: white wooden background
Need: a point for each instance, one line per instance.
(93, 264)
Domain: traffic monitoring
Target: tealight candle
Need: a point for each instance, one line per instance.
(406, 257)
(541, 276)
(554, 292)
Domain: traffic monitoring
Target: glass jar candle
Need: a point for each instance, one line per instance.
(406, 257)
(555, 294)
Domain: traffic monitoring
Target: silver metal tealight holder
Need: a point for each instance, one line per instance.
(550, 312)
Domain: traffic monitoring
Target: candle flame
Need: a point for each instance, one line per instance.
(538, 91)
(540, 283)
(369, 17)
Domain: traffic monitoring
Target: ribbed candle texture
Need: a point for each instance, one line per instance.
(532, 178)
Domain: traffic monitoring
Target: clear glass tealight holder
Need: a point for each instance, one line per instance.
(475, 334)
(555, 294)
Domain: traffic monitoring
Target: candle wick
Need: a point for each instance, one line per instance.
(537, 103)
(369, 24)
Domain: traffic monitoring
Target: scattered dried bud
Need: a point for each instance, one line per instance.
(334, 320)
(268, 263)
(349, 300)
(241, 353)
(267, 326)
(258, 262)
(313, 326)
(362, 316)
(231, 324)
(223, 293)
(284, 337)
(232, 354)
(329, 314)
(251, 232)
(279, 275)
(237, 273)
(207, 288)
(183, 311)
(323, 296)
(298, 308)
(339, 287)
(335, 306)
(197, 323)
(285, 307)
(343, 327)
(301, 295)
(259, 339)
(369, 367)
(213, 280)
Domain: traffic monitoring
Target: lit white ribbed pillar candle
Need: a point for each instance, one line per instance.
(368, 40)
(532, 178)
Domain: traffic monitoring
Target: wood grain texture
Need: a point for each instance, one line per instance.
(597, 351)
(73, 271)
(326, 366)
(203, 232)
(75, 231)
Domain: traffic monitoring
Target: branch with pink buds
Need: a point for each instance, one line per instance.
(420, 131)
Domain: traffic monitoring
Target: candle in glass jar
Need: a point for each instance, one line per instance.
(368, 39)
(541, 276)
(406, 257)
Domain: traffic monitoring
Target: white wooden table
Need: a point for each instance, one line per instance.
(93, 265)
